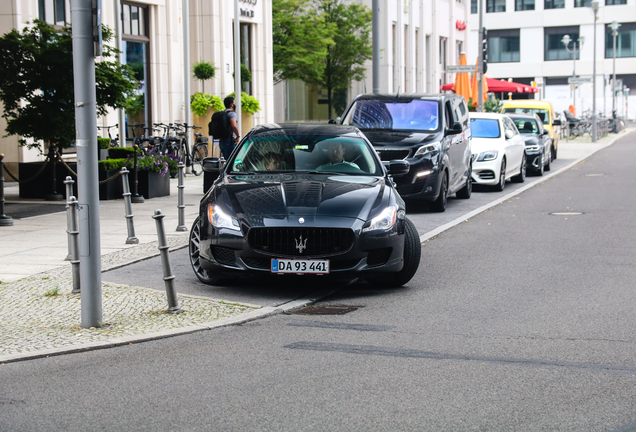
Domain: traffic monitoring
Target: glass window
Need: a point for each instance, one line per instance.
(54, 12)
(615, 2)
(246, 54)
(495, 5)
(503, 46)
(625, 41)
(554, 48)
(474, 8)
(554, 4)
(582, 3)
(521, 5)
(413, 114)
(133, 19)
(526, 127)
(542, 113)
(484, 128)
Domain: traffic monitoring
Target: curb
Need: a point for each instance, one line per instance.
(437, 231)
(223, 322)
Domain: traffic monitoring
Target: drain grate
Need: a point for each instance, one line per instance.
(324, 310)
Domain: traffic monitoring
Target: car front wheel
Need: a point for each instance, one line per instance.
(521, 177)
(194, 248)
(502, 176)
(439, 205)
(548, 165)
(467, 190)
(412, 255)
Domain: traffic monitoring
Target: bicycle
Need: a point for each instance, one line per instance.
(114, 142)
(199, 148)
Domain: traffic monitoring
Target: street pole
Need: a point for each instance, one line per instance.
(566, 41)
(614, 26)
(237, 64)
(594, 6)
(376, 46)
(480, 65)
(87, 178)
(121, 113)
(186, 72)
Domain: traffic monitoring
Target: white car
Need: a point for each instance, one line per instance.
(499, 151)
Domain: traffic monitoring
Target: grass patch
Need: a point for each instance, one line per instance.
(52, 292)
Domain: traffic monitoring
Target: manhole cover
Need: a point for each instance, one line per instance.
(566, 213)
(324, 310)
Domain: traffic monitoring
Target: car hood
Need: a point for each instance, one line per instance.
(384, 138)
(272, 199)
(532, 140)
(479, 145)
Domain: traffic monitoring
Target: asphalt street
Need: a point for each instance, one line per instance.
(520, 319)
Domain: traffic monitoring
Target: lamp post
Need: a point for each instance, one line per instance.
(614, 26)
(566, 41)
(594, 6)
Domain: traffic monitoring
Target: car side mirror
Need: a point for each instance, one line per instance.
(211, 165)
(331, 121)
(545, 132)
(398, 167)
(556, 122)
(509, 134)
(455, 129)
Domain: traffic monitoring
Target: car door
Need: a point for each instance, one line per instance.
(515, 146)
(456, 146)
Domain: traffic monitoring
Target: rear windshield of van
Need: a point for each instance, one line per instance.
(542, 113)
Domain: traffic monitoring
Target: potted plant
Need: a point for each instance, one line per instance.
(104, 145)
(249, 106)
(153, 172)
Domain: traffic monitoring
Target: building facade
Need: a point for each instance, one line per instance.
(152, 42)
(418, 39)
(526, 43)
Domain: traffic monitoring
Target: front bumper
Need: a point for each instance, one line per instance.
(533, 160)
(229, 253)
(421, 182)
(486, 172)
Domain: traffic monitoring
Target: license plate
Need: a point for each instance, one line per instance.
(300, 266)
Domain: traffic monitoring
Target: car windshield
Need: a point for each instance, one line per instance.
(526, 126)
(484, 128)
(278, 151)
(542, 113)
(416, 114)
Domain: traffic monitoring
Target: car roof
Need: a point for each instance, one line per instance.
(527, 103)
(487, 115)
(307, 129)
(405, 96)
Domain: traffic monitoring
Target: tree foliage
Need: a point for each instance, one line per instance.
(203, 71)
(323, 42)
(36, 83)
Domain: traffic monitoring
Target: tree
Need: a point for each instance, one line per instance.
(300, 37)
(36, 83)
(203, 71)
(323, 43)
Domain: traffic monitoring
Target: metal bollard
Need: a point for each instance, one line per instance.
(136, 198)
(168, 277)
(4, 219)
(73, 216)
(129, 216)
(68, 183)
(181, 199)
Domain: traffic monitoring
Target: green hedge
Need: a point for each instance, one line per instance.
(111, 164)
(122, 152)
(103, 143)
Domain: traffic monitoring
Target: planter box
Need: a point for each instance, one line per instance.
(103, 154)
(41, 186)
(152, 184)
(112, 189)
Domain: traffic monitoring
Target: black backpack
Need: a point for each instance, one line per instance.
(219, 126)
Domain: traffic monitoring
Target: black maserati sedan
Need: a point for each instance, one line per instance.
(304, 200)
(431, 132)
(538, 142)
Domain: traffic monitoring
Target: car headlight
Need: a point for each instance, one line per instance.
(431, 148)
(487, 155)
(532, 148)
(219, 219)
(384, 221)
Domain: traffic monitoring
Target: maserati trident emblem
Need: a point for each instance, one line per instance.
(300, 244)
(301, 220)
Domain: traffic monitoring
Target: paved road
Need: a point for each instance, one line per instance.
(517, 320)
(274, 291)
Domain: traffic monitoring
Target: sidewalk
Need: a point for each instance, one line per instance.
(41, 317)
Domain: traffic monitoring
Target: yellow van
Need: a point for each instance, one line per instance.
(544, 110)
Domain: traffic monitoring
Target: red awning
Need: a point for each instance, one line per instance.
(497, 86)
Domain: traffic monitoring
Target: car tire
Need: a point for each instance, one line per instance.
(548, 166)
(412, 256)
(502, 177)
(554, 152)
(467, 190)
(439, 205)
(521, 177)
(193, 246)
(539, 170)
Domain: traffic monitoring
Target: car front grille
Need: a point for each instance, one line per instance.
(387, 155)
(301, 242)
(487, 175)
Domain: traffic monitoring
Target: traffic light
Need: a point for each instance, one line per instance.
(484, 50)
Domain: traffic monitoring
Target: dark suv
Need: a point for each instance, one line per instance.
(431, 132)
